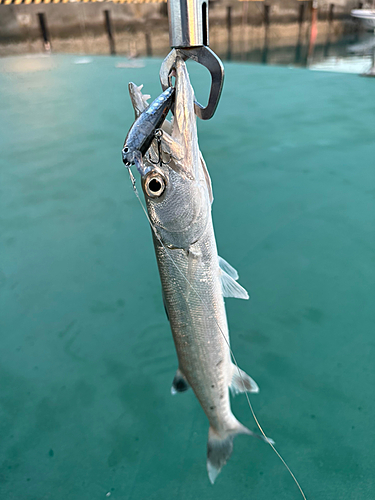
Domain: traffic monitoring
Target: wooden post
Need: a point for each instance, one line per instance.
(229, 30)
(330, 12)
(266, 20)
(266, 15)
(148, 44)
(44, 31)
(301, 14)
(164, 9)
(229, 18)
(327, 45)
(108, 27)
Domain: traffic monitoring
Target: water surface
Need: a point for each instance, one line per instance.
(87, 358)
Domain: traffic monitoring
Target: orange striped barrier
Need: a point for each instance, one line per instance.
(19, 2)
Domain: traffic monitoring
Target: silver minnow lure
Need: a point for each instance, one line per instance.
(194, 278)
(141, 133)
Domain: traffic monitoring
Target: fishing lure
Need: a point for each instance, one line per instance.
(142, 132)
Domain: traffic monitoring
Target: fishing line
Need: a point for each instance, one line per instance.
(207, 307)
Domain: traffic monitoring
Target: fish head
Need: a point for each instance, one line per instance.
(178, 207)
(178, 192)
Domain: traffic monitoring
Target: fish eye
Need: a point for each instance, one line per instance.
(154, 184)
(126, 149)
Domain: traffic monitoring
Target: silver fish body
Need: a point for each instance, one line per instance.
(194, 278)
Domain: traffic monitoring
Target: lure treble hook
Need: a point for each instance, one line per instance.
(158, 134)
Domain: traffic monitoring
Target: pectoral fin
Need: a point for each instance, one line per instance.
(179, 384)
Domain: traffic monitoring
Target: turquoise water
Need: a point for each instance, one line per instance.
(87, 358)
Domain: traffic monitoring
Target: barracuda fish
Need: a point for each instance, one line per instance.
(194, 278)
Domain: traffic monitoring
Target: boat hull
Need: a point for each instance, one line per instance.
(367, 17)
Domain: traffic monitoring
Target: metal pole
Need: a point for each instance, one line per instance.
(188, 23)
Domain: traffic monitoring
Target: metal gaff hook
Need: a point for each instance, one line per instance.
(188, 32)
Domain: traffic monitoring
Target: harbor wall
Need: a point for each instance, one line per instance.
(135, 29)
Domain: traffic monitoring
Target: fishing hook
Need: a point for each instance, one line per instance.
(158, 135)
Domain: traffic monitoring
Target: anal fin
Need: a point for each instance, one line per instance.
(227, 268)
(242, 382)
(179, 384)
(230, 287)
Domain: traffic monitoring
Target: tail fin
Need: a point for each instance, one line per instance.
(220, 447)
